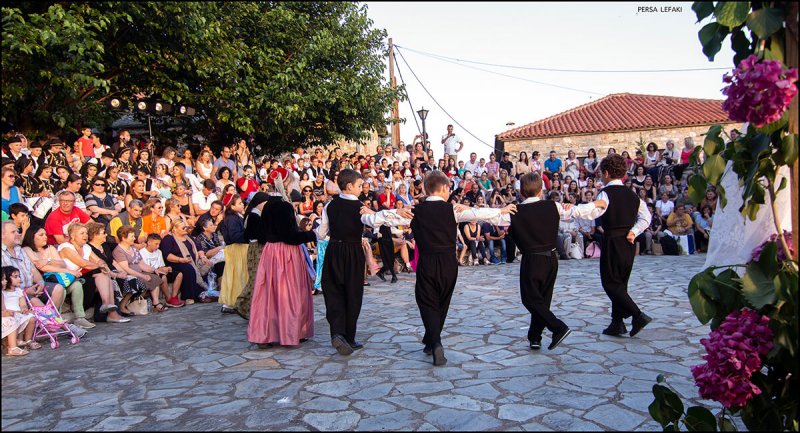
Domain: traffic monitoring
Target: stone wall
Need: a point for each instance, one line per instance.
(622, 140)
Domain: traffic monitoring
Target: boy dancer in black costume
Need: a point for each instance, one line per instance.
(434, 225)
(343, 268)
(624, 218)
(535, 231)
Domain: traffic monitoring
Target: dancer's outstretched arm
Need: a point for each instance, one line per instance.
(586, 211)
(391, 218)
(494, 216)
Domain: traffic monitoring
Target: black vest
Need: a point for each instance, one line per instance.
(437, 235)
(622, 212)
(344, 220)
(534, 227)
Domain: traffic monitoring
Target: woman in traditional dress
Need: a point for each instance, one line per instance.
(255, 234)
(282, 309)
(236, 244)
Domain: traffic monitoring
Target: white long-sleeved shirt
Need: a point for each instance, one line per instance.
(323, 230)
(642, 216)
(490, 215)
(582, 211)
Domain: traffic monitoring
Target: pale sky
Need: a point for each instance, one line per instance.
(582, 36)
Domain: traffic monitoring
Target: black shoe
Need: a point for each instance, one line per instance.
(341, 345)
(427, 350)
(227, 310)
(438, 356)
(394, 279)
(367, 284)
(356, 345)
(639, 323)
(303, 340)
(616, 329)
(380, 275)
(558, 337)
(536, 345)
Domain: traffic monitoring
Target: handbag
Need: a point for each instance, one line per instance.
(593, 250)
(140, 306)
(657, 250)
(62, 278)
(575, 251)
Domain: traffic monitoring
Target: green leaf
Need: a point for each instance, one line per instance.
(702, 9)
(713, 143)
(740, 45)
(697, 188)
(702, 306)
(775, 50)
(714, 168)
(711, 37)
(725, 424)
(699, 418)
(764, 22)
(789, 149)
(667, 407)
(731, 14)
(758, 287)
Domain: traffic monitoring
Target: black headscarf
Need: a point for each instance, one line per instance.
(258, 198)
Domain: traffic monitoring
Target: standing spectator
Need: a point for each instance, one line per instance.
(58, 221)
(85, 144)
(243, 158)
(590, 163)
(553, 164)
(450, 140)
(224, 160)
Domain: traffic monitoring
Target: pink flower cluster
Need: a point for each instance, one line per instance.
(734, 353)
(781, 253)
(759, 92)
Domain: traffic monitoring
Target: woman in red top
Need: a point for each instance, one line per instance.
(246, 185)
(387, 199)
(306, 207)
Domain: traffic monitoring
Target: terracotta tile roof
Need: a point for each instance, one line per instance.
(623, 111)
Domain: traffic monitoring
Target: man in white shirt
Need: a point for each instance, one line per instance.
(201, 200)
(472, 164)
(450, 140)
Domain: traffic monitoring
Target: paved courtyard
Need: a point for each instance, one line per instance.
(192, 368)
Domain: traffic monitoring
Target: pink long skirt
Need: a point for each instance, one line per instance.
(282, 309)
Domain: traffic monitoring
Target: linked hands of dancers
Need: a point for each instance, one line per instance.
(366, 211)
(510, 209)
(405, 213)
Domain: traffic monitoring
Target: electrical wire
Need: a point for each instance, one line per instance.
(440, 105)
(523, 79)
(407, 97)
(531, 68)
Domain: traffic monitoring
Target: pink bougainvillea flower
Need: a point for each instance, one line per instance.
(759, 92)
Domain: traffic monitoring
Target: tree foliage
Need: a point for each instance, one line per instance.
(289, 73)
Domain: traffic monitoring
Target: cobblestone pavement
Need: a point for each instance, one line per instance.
(192, 368)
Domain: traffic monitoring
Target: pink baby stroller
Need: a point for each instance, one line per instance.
(49, 322)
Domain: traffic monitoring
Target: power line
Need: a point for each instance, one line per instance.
(521, 78)
(407, 97)
(531, 68)
(440, 105)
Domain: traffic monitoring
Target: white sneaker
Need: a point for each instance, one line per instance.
(83, 323)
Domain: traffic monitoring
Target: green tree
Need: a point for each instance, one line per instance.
(291, 73)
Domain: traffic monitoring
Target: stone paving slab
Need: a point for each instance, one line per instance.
(192, 369)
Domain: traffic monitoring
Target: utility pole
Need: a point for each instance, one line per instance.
(395, 103)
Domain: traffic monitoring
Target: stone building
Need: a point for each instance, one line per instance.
(619, 120)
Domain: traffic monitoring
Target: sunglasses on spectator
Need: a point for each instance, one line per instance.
(100, 184)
